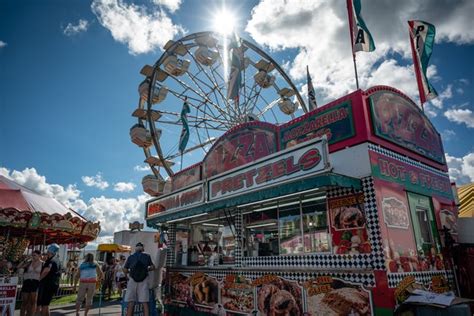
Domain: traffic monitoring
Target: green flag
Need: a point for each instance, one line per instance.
(183, 139)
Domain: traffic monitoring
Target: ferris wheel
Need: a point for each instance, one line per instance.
(203, 85)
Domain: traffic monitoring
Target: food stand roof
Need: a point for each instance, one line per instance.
(114, 248)
(466, 200)
(319, 181)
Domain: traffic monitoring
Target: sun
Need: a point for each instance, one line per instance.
(224, 22)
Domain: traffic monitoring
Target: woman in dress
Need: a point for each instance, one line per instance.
(120, 277)
(31, 277)
(88, 273)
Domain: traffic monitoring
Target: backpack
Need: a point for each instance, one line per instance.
(139, 271)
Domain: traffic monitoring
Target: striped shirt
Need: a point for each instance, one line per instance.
(88, 272)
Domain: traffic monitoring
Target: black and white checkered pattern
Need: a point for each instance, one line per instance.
(367, 279)
(238, 244)
(373, 224)
(423, 277)
(170, 254)
(409, 161)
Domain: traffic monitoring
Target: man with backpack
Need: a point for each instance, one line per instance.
(138, 290)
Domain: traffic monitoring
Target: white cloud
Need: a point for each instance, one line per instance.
(29, 177)
(2, 44)
(448, 134)
(124, 186)
(115, 214)
(141, 168)
(80, 27)
(95, 181)
(131, 24)
(461, 169)
(445, 95)
(172, 5)
(460, 116)
(319, 30)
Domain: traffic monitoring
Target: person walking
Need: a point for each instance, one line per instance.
(88, 274)
(31, 277)
(49, 279)
(120, 277)
(109, 276)
(138, 290)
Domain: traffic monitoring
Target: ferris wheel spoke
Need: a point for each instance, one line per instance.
(184, 84)
(208, 142)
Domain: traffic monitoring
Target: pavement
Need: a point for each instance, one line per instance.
(107, 308)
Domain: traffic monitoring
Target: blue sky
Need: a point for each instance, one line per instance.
(69, 72)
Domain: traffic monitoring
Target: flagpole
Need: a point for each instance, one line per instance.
(355, 70)
(181, 165)
(350, 17)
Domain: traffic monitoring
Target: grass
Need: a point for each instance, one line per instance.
(71, 299)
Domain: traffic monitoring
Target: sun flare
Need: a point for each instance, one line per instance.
(224, 22)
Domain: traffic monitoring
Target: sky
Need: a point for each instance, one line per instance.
(69, 73)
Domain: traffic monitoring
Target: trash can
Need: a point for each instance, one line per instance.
(138, 308)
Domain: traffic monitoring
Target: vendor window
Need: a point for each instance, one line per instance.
(315, 227)
(287, 227)
(211, 241)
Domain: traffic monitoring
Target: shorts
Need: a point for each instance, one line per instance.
(46, 293)
(86, 288)
(30, 286)
(137, 291)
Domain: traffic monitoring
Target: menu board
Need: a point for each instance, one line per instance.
(325, 295)
(349, 234)
(278, 296)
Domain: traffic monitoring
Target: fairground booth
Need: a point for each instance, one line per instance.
(324, 214)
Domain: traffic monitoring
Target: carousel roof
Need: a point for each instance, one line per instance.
(14, 195)
(26, 213)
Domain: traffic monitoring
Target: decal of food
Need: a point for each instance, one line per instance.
(280, 298)
(395, 213)
(180, 290)
(342, 301)
(205, 290)
(348, 217)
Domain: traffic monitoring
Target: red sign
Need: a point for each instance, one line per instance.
(401, 122)
(288, 164)
(186, 198)
(413, 178)
(187, 177)
(239, 148)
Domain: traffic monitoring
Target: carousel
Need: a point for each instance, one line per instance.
(29, 220)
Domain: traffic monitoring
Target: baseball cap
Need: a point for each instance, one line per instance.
(53, 248)
(139, 244)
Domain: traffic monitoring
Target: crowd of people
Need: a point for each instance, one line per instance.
(42, 273)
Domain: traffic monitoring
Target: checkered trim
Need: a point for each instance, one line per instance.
(170, 254)
(373, 224)
(409, 161)
(423, 277)
(374, 260)
(238, 230)
(367, 279)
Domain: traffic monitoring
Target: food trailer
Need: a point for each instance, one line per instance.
(325, 214)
